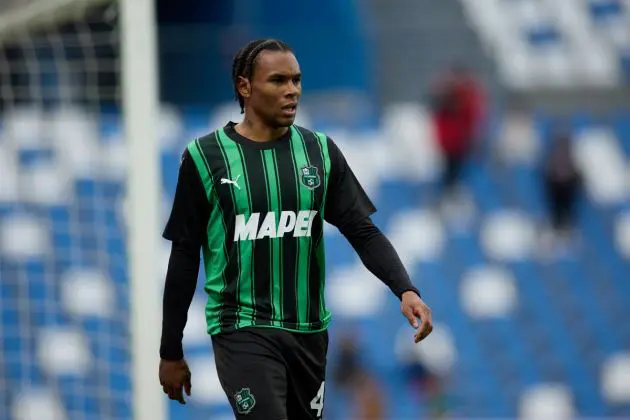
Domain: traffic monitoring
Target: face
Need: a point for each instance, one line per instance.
(273, 92)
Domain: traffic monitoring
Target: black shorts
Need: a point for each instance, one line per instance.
(272, 374)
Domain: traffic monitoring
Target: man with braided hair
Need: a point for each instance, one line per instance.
(253, 197)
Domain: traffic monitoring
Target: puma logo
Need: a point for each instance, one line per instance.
(233, 182)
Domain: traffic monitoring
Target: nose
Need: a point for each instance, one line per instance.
(293, 89)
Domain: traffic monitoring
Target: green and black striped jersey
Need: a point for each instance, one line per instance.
(257, 211)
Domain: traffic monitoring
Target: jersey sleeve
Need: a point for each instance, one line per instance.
(346, 200)
(191, 210)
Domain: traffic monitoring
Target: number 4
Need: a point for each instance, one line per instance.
(317, 403)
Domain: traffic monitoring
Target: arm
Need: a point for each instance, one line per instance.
(186, 230)
(378, 255)
(179, 289)
(349, 208)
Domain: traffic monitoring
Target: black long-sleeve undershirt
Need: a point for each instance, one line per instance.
(375, 250)
(378, 255)
(179, 289)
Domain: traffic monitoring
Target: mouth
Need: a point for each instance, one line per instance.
(289, 109)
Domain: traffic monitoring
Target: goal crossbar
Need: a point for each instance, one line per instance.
(38, 13)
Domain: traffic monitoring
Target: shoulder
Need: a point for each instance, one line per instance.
(201, 147)
(312, 135)
(195, 151)
(326, 144)
(201, 141)
(322, 139)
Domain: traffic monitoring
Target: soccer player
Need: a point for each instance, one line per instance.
(253, 197)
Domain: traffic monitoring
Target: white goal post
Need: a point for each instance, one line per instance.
(140, 110)
(132, 83)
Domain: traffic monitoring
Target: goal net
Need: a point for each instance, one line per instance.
(66, 341)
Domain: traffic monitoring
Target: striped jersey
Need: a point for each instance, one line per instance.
(257, 211)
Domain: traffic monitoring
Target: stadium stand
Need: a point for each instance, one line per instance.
(521, 332)
(546, 43)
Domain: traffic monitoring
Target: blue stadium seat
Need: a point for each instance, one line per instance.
(543, 35)
(550, 38)
(605, 9)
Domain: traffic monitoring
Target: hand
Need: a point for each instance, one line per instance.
(413, 307)
(175, 377)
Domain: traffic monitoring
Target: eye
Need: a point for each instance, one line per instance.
(297, 80)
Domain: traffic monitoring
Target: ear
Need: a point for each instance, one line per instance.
(244, 87)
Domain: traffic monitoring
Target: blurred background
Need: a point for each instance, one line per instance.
(493, 136)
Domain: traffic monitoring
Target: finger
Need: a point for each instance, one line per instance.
(425, 329)
(422, 331)
(165, 389)
(411, 318)
(178, 395)
(187, 386)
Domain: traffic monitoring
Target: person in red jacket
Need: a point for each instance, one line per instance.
(458, 110)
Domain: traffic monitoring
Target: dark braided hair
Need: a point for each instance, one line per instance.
(245, 59)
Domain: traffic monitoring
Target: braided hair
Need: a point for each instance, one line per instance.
(245, 59)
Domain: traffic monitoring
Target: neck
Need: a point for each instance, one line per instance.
(254, 129)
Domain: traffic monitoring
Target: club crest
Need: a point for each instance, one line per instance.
(310, 177)
(245, 401)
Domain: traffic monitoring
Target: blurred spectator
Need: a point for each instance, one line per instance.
(429, 386)
(562, 181)
(347, 367)
(369, 398)
(425, 369)
(458, 110)
(362, 388)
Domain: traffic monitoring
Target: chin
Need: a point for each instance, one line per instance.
(284, 121)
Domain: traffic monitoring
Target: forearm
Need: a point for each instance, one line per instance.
(179, 289)
(379, 256)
